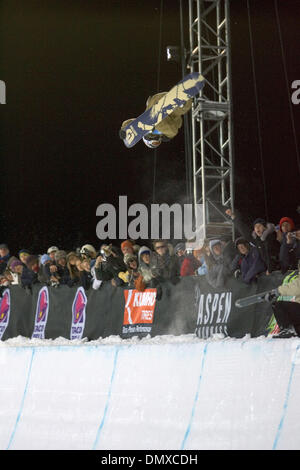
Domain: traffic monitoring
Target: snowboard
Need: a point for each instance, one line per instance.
(254, 299)
(186, 89)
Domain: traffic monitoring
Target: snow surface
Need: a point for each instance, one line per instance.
(166, 392)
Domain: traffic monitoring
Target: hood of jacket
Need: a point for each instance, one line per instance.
(270, 228)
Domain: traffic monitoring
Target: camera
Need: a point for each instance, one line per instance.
(105, 251)
(293, 234)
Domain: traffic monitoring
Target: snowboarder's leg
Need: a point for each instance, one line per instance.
(287, 314)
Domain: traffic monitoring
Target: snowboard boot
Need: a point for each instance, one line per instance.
(288, 332)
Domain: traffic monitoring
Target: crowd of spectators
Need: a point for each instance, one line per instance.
(257, 250)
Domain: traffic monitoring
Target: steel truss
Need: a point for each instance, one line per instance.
(212, 134)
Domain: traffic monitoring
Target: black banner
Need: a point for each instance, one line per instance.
(189, 306)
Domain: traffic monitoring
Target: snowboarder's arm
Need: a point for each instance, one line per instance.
(291, 289)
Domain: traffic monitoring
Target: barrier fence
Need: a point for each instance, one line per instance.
(190, 306)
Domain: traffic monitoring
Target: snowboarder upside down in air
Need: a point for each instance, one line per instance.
(167, 129)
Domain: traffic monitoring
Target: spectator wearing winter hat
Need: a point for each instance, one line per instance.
(86, 277)
(127, 247)
(247, 262)
(62, 275)
(51, 252)
(144, 257)
(23, 254)
(164, 263)
(290, 251)
(263, 236)
(108, 265)
(16, 267)
(132, 278)
(4, 257)
(50, 269)
(188, 263)
(217, 270)
(88, 251)
(29, 274)
(203, 255)
(286, 225)
(43, 275)
(11, 259)
(72, 259)
(265, 239)
(8, 278)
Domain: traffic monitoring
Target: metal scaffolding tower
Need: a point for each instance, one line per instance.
(212, 135)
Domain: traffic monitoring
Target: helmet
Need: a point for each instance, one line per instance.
(152, 140)
(51, 249)
(88, 250)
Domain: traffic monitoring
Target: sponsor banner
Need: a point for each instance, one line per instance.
(138, 311)
(190, 306)
(4, 311)
(213, 312)
(41, 315)
(78, 314)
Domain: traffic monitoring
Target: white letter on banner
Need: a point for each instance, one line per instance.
(109, 221)
(227, 306)
(141, 221)
(2, 92)
(296, 94)
(122, 217)
(219, 319)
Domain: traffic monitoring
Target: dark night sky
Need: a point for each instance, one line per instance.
(74, 70)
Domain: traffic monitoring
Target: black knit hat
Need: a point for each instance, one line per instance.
(260, 221)
(241, 241)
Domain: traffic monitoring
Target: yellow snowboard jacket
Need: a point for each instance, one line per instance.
(172, 123)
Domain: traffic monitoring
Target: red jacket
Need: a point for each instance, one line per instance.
(189, 266)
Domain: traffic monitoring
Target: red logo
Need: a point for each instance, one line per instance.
(139, 306)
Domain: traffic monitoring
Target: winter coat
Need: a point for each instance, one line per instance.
(86, 279)
(250, 265)
(164, 267)
(43, 275)
(28, 277)
(172, 123)
(110, 269)
(188, 265)
(3, 262)
(267, 245)
(291, 289)
(203, 268)
(46, 273)
(289, 254)
(63, 274)
(132, 279)
(144, 269)
(218, 270)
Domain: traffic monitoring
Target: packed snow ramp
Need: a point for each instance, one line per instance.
(163, 394)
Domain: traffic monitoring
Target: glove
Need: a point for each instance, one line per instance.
(122, 134)
(271, 296)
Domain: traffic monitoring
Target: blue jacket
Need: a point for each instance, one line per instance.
(28, 277)
(252, 265)
(3, 262)
(289, 254)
